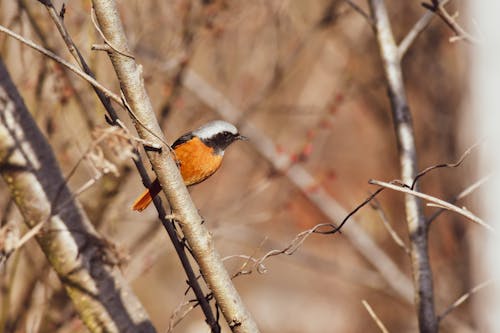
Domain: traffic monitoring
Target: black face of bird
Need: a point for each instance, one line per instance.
(220, 141)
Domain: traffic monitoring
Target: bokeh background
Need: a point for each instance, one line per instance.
(309, 76)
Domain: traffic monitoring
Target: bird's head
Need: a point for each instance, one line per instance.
(218, 134)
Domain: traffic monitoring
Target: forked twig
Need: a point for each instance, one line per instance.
(414, 32)
(438, 8)
(334, 228)
(108, 43)
(444, 165)
(63, 62)
(469, 189)
(292, 247)
(434, 200)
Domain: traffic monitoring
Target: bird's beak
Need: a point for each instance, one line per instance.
(241, 137)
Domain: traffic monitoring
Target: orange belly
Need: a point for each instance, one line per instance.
(197, 161)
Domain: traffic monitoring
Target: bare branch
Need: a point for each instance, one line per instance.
(290, 249)
(98, 291)
(75, 52)
(107, 93)
(468, 190)
(460, 33)
(304, 181)
(63, 62)
(198, 238)
(360, 11)
(414, 32)
(114, 120)
(179, 314)
(435, 201)
(374, 316)
(376, 205)
(444, 165)
(465, 297)
(108, 43)
(415, 220)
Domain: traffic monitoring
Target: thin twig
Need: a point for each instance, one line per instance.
(180, 312)
(197, 236)
(468, 190)
(66, 251)
(108, 43)
(404, 130)
(334, 228)
(434, 200)
(35, 229)
(248, 260)
(114, 120)
(79, 72)
(444, 165)
(394, 235)
(291, 248)
(63, 62)
(27, 7)
(360, 11)
(438, 8)
(465, 297)
(77, 55)
(28, 235)
(414, 32)
(374, 316)
(303, 180)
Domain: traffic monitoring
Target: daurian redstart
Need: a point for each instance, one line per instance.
(198, 153)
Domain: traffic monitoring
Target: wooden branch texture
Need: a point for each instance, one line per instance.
(99, 293)
(417, 227)
(197, 236)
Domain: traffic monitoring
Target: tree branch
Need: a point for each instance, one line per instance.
(374, 316)
(304, 181)
(167, 224)
(55, 57)
(437, 7)
(200, 241)
(435, 202)
(417, 227)
(99, 293)
(465, 297)
(414, 32)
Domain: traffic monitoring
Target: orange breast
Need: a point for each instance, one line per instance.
(197, 161)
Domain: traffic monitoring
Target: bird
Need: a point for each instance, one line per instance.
(198, 154)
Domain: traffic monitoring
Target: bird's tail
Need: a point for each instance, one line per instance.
(147, 196)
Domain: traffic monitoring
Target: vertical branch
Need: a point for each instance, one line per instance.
(304, 181)
(99, 293)
(184, 210)
(168, 225)
(422, 275)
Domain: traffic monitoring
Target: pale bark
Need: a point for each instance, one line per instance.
(184, 210)
(415, 220)
(98, 291)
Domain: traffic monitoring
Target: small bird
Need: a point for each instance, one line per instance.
(198, 154)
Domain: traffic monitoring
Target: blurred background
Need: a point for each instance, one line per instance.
(308, 75)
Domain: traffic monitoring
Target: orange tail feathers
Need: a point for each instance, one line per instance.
(145, 199)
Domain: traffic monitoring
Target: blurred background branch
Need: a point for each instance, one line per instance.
(99, 292)
(183, 209)
(402, 119)
(305, 81)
